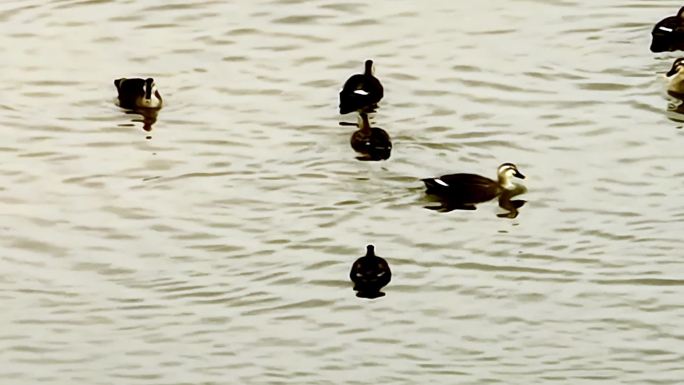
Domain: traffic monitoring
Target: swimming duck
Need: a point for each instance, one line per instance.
(361, 91)
(373, 142)
(462, 191)
(675, 75)
(668, 34)
(370, 273)
(138, 93)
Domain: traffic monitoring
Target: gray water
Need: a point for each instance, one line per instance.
(217, 250)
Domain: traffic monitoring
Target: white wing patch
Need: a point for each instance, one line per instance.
(665, 29)
(443, 183)
(361, 92)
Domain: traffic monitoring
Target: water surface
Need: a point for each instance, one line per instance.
(217, 251)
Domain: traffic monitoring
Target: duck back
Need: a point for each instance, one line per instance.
(463, 188)
(668, 35)
(129, 91)
(360, 92)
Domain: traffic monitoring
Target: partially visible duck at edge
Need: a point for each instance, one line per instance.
(370, 273)
(372, 142)
(668, 34)
(462, 191)
(361, 92)
(137, 93)
(675, 76)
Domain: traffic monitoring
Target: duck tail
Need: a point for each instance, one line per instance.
(430, 184)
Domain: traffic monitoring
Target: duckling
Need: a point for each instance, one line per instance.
(370, 273)
(373, 142)
(361, 91)
(668, 34)
(462, 191)
(138, 93)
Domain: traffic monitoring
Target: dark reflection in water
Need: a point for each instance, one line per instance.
(675, 108)
(148, 118)
(372, 143)
(505, 202)
(370, 273)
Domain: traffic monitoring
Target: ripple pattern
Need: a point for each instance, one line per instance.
(216, 247)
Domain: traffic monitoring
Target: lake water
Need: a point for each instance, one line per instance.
(215, 248)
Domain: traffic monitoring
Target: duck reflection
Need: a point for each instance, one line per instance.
(373, 143)
(462, 191)
(149, 117)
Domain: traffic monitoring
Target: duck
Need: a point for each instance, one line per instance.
(462, 191)
(361, 91)
(369, 274)
(675, 77)
(138, 93)
(668, 34)
(373, 142)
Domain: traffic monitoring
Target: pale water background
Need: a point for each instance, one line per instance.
(217, 252)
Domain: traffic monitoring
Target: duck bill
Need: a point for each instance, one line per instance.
(672, 72)
(518, 175)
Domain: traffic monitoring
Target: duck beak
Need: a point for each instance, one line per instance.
(518, 175)
(672, 71)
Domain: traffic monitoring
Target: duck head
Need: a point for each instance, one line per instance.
(677, 67)
(370, 251)
(506, 172)
(150, 90)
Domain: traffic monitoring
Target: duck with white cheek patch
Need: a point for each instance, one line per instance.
(462, 191)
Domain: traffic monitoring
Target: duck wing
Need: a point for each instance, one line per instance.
(463, 188)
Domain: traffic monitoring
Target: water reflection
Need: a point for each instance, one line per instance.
(149, 117)
(505, 202)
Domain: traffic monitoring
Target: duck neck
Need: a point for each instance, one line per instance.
(364, 123)
(369, 68)
(370, 251)
(505, 182)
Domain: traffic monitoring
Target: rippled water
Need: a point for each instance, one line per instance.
(217, 251)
